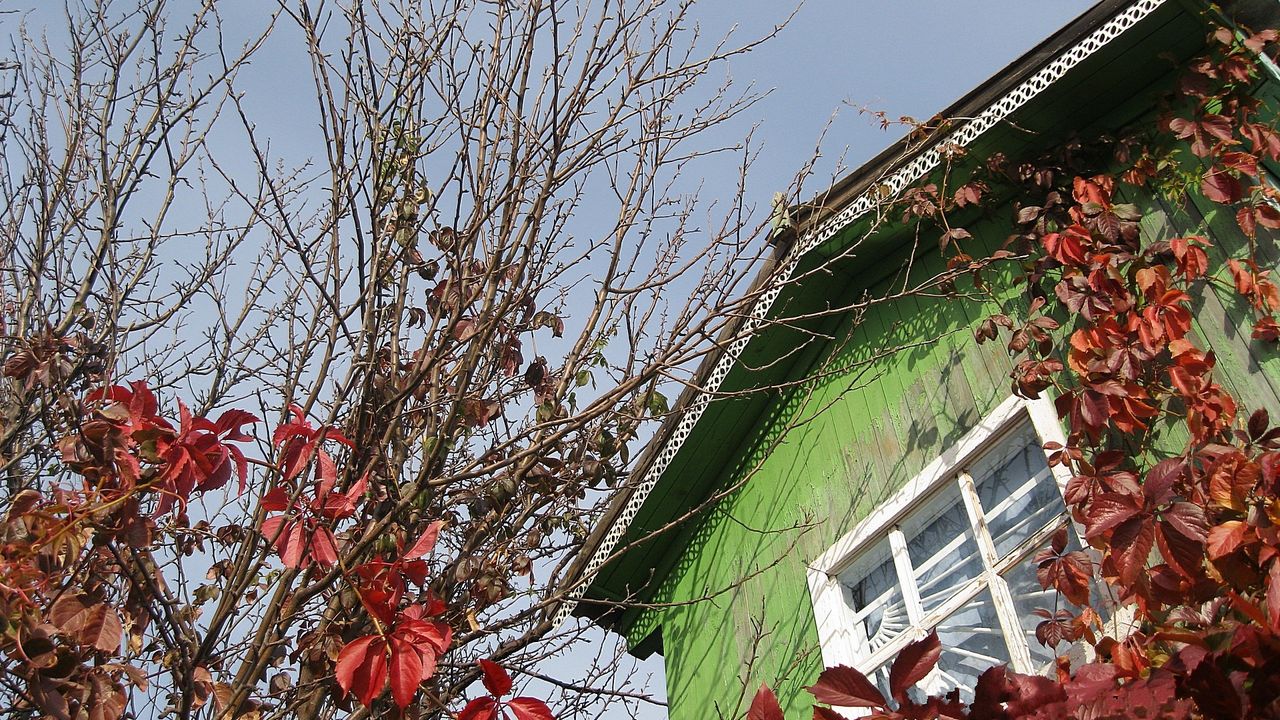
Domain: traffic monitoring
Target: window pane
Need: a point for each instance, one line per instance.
(942, 549)
(875, 596)
(1018, 494)
(971, 643)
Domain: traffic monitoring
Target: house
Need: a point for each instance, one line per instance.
(843, 482)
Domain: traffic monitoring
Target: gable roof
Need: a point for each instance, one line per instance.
(1066, 60)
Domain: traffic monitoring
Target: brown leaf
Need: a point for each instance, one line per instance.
(91, 624)
(1220, 187)
(846, 687)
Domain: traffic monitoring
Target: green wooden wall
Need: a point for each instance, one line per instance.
(829, 450)
(898, 385)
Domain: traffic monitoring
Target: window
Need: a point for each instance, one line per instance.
(953, 550)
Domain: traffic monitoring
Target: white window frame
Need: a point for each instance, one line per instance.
(840, 643)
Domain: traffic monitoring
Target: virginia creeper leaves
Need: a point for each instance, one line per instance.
(913, 664)
(496, 680)
(764, 706)
(528, 708)
(846, 687)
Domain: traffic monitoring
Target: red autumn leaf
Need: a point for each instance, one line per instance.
(1221, 187)
(1247, 221)
(1240, 161)
(1258, 41)
(303, 534)
(406, 655)
(1201, 132)
(1096, 190)
(1266, 329)
(765, 706)
(1069, 246)
(1267, 215)
(405, 672)
(1067, 572)
(826, 713)
(1273, 595)
(527, 708)
(298, 442)
(1108, 511)
(1161, 478)
(1192, 260)
(1225, 538)
(846, 687)
(1184, 554)
(1028, 693)
(426, 543)
(362, 668)
(1095, 409)
(913, 664)
(482, 708)
(1213, 691)
(91, 624)
(1131, 543)
(1188, 519)
(495, 677)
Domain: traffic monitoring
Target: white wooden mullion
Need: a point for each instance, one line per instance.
(843, 632)
(906, 578)
(977, 521)
(1006, 611)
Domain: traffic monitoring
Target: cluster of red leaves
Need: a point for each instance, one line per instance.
(123, 442)
(404, 651)
(491, 706)
(408, 640)
(998, 695)
(60, 641)
(1190, 541)
(1222, 127)
(304, 532)
(62, 629)
(1187, 539)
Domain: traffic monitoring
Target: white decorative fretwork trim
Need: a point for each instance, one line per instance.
(917, 168)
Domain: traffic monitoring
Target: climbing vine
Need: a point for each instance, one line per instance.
(1175, 487)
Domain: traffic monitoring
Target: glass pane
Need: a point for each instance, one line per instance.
(971, 643)
(876, 597)
(941, 546)
(1018, 494)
